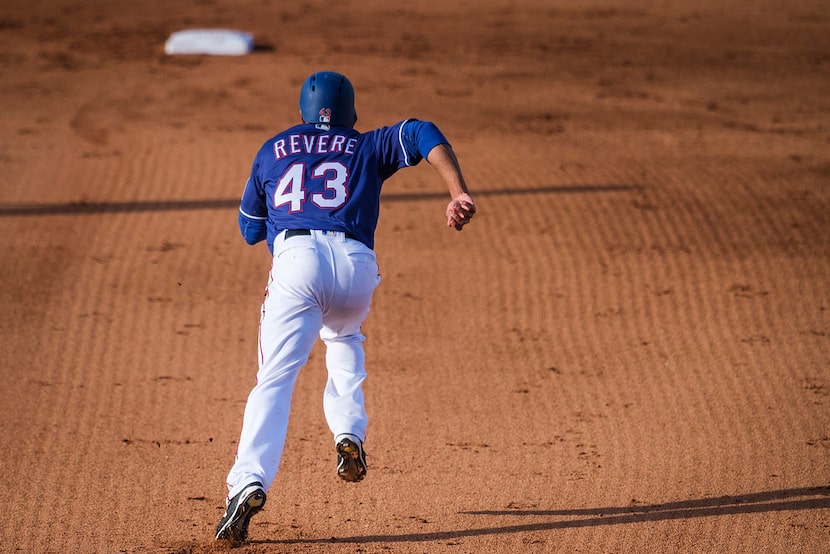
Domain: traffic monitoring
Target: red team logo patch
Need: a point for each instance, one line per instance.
(325, 115)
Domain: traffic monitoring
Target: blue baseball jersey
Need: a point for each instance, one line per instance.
(314, 177)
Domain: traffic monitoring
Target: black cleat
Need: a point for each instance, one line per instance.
(351, 460)
(234, 524)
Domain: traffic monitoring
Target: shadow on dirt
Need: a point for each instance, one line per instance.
(810, 498)
(82, 208)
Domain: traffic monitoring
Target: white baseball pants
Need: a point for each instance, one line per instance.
(319, 285)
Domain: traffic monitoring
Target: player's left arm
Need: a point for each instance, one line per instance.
(423, 139)
(462, 207)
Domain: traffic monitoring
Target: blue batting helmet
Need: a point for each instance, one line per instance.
(328, 98)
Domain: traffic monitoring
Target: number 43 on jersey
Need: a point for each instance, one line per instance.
(291, 188)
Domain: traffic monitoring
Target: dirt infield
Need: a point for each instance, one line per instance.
(627, 351)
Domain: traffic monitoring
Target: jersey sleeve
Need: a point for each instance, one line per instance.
(406, 143)
(419, 137)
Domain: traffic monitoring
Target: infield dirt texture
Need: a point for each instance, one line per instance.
(628, 350)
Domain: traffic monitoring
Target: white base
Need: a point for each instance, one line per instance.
(214, 42)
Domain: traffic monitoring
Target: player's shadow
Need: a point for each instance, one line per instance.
(786, 500)
(554, 189)
(84, 207)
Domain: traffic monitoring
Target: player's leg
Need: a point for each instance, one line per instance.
(265, 422)
(291, 320)
(344, 405)
(343, 400)
(286, 338)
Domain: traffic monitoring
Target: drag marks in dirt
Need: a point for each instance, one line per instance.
(678, 307)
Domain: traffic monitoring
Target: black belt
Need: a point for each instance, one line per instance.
(306, 232)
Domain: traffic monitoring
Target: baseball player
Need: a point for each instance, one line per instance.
(313, 195)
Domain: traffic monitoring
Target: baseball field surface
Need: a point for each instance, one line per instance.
(626, 351)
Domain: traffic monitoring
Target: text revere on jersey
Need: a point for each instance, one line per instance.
(314, 144)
